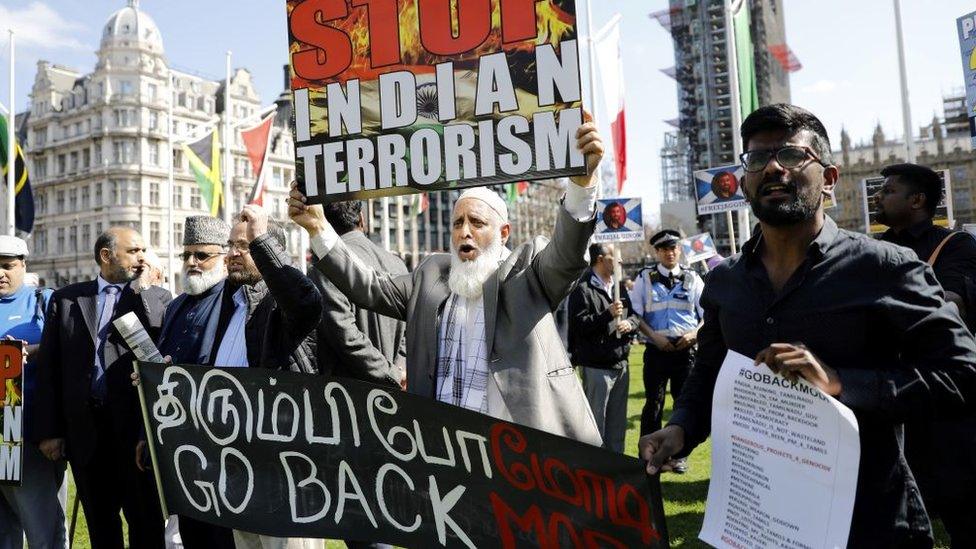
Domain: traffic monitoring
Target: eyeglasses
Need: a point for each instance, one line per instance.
(200, 256)
(789, 157)
(241, 247)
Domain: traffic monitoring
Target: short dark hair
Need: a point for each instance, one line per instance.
(921, 179)
(793, 119)
(596, 250)
(277, 231)
(107, 239)
(343, 216)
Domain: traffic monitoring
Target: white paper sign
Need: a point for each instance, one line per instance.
(136, 338)
(784, 462)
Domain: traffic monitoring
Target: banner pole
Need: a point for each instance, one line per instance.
(618, 273)
(729, 222)
(150, 442)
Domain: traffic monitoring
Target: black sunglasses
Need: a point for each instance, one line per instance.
(200, 256)
(789, 157)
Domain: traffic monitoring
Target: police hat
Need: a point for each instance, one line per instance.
(664, 238)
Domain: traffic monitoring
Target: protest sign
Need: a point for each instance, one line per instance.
(396, 97)
(12, 395)
(719, 189)
(618, 220)
(784, 462)
(966, 26)
(285, 454)
(871, 185)
(698, 248)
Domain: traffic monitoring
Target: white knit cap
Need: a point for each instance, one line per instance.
(11, 246)
(490, 198)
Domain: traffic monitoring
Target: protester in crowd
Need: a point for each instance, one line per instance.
(83, 406)
(480, 331)
(946, 473)
(352, 341)
(36, 508)
(885, 343)
(666, 297)
(600, 330)
(267, 316)
(189, 332)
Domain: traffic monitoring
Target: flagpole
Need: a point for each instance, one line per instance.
(592, 59)
(385, 223)
(733, 58)
(172, 191)
(400, 241)
(11, 150)
(906, 111)
(228, 169)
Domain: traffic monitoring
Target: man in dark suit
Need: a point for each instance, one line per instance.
(352, 341)
(85, 408)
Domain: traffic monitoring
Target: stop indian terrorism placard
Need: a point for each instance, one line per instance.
(401, 96)
(292, 455)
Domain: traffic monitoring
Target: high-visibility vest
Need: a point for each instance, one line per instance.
(669, 312)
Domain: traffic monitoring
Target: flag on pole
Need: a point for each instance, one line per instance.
(418, 204)
(745, 58)
(257, 142)
(24, 198)
(612, 85)
(204, 156)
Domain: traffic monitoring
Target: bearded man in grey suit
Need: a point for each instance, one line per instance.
(480, 328)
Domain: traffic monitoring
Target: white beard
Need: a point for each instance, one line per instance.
(467, 277)
(197, 284)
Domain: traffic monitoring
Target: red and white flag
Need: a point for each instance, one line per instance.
(611, 85)
(257, 143)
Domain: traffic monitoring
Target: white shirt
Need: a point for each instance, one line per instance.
(232, 352)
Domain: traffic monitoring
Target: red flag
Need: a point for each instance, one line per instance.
(257, 142)
(612, 85)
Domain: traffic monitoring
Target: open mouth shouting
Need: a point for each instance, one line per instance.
(777, 190)
(467, 252)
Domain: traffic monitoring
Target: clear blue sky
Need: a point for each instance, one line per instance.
(849, 75)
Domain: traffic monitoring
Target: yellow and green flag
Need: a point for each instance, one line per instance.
(745, 58)
(204, 157)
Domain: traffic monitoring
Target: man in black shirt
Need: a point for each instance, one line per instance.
(862, 320)
(947, 476)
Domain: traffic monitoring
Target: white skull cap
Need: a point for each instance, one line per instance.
(489, 197)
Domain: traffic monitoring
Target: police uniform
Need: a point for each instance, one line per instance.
(668, 301)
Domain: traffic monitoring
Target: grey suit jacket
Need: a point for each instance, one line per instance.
(355, 342)
(527, 359)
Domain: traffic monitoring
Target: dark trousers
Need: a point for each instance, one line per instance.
(659, 368)
(109, 483)
(203, 535)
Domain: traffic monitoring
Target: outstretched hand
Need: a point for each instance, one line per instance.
(310, 217)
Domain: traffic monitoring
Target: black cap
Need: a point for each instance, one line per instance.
(667, 237)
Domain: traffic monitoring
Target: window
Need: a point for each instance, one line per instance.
(177, 233)
(60, 249)
(276, 178)
(178, 160)
(85, 198)
(96, 122)
(73, 200)
(85, 158)
(40, 167)
(98, 228)
(86, 238)
(118, 193)
(74, 161)
(40, 241)
(122, 152)
(178, 197)
(39, 203)
(153, 121)
(98, 196)
(125, 87)
(98, 154)
(73, 239)
(62, 164)
(60, 202)
(153, 153)
(133, 195)
(154, 233)
(196, 201)
(154, 194)
(121, 117)
(151, 92)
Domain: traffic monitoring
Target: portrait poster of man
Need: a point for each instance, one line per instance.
(619, 220)
(966, 26)
(871, 185)
(398, 97)
(719, 189)
(698, 248)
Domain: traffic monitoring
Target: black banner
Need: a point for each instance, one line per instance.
(290, 455)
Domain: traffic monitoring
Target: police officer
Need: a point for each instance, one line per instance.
(666, 297)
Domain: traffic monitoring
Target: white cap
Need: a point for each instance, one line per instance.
(11, 246)
(489, 197)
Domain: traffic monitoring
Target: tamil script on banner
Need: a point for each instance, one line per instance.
(395, 97)
(285, 454)
(698, 248)
(871, 185)
(966, 25)
(719, 189)
(12, 395)
(618, 220)
(784, 462)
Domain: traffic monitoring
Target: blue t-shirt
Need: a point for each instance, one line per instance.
(22, 318)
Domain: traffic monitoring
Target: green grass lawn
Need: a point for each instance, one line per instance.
(684, 495)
